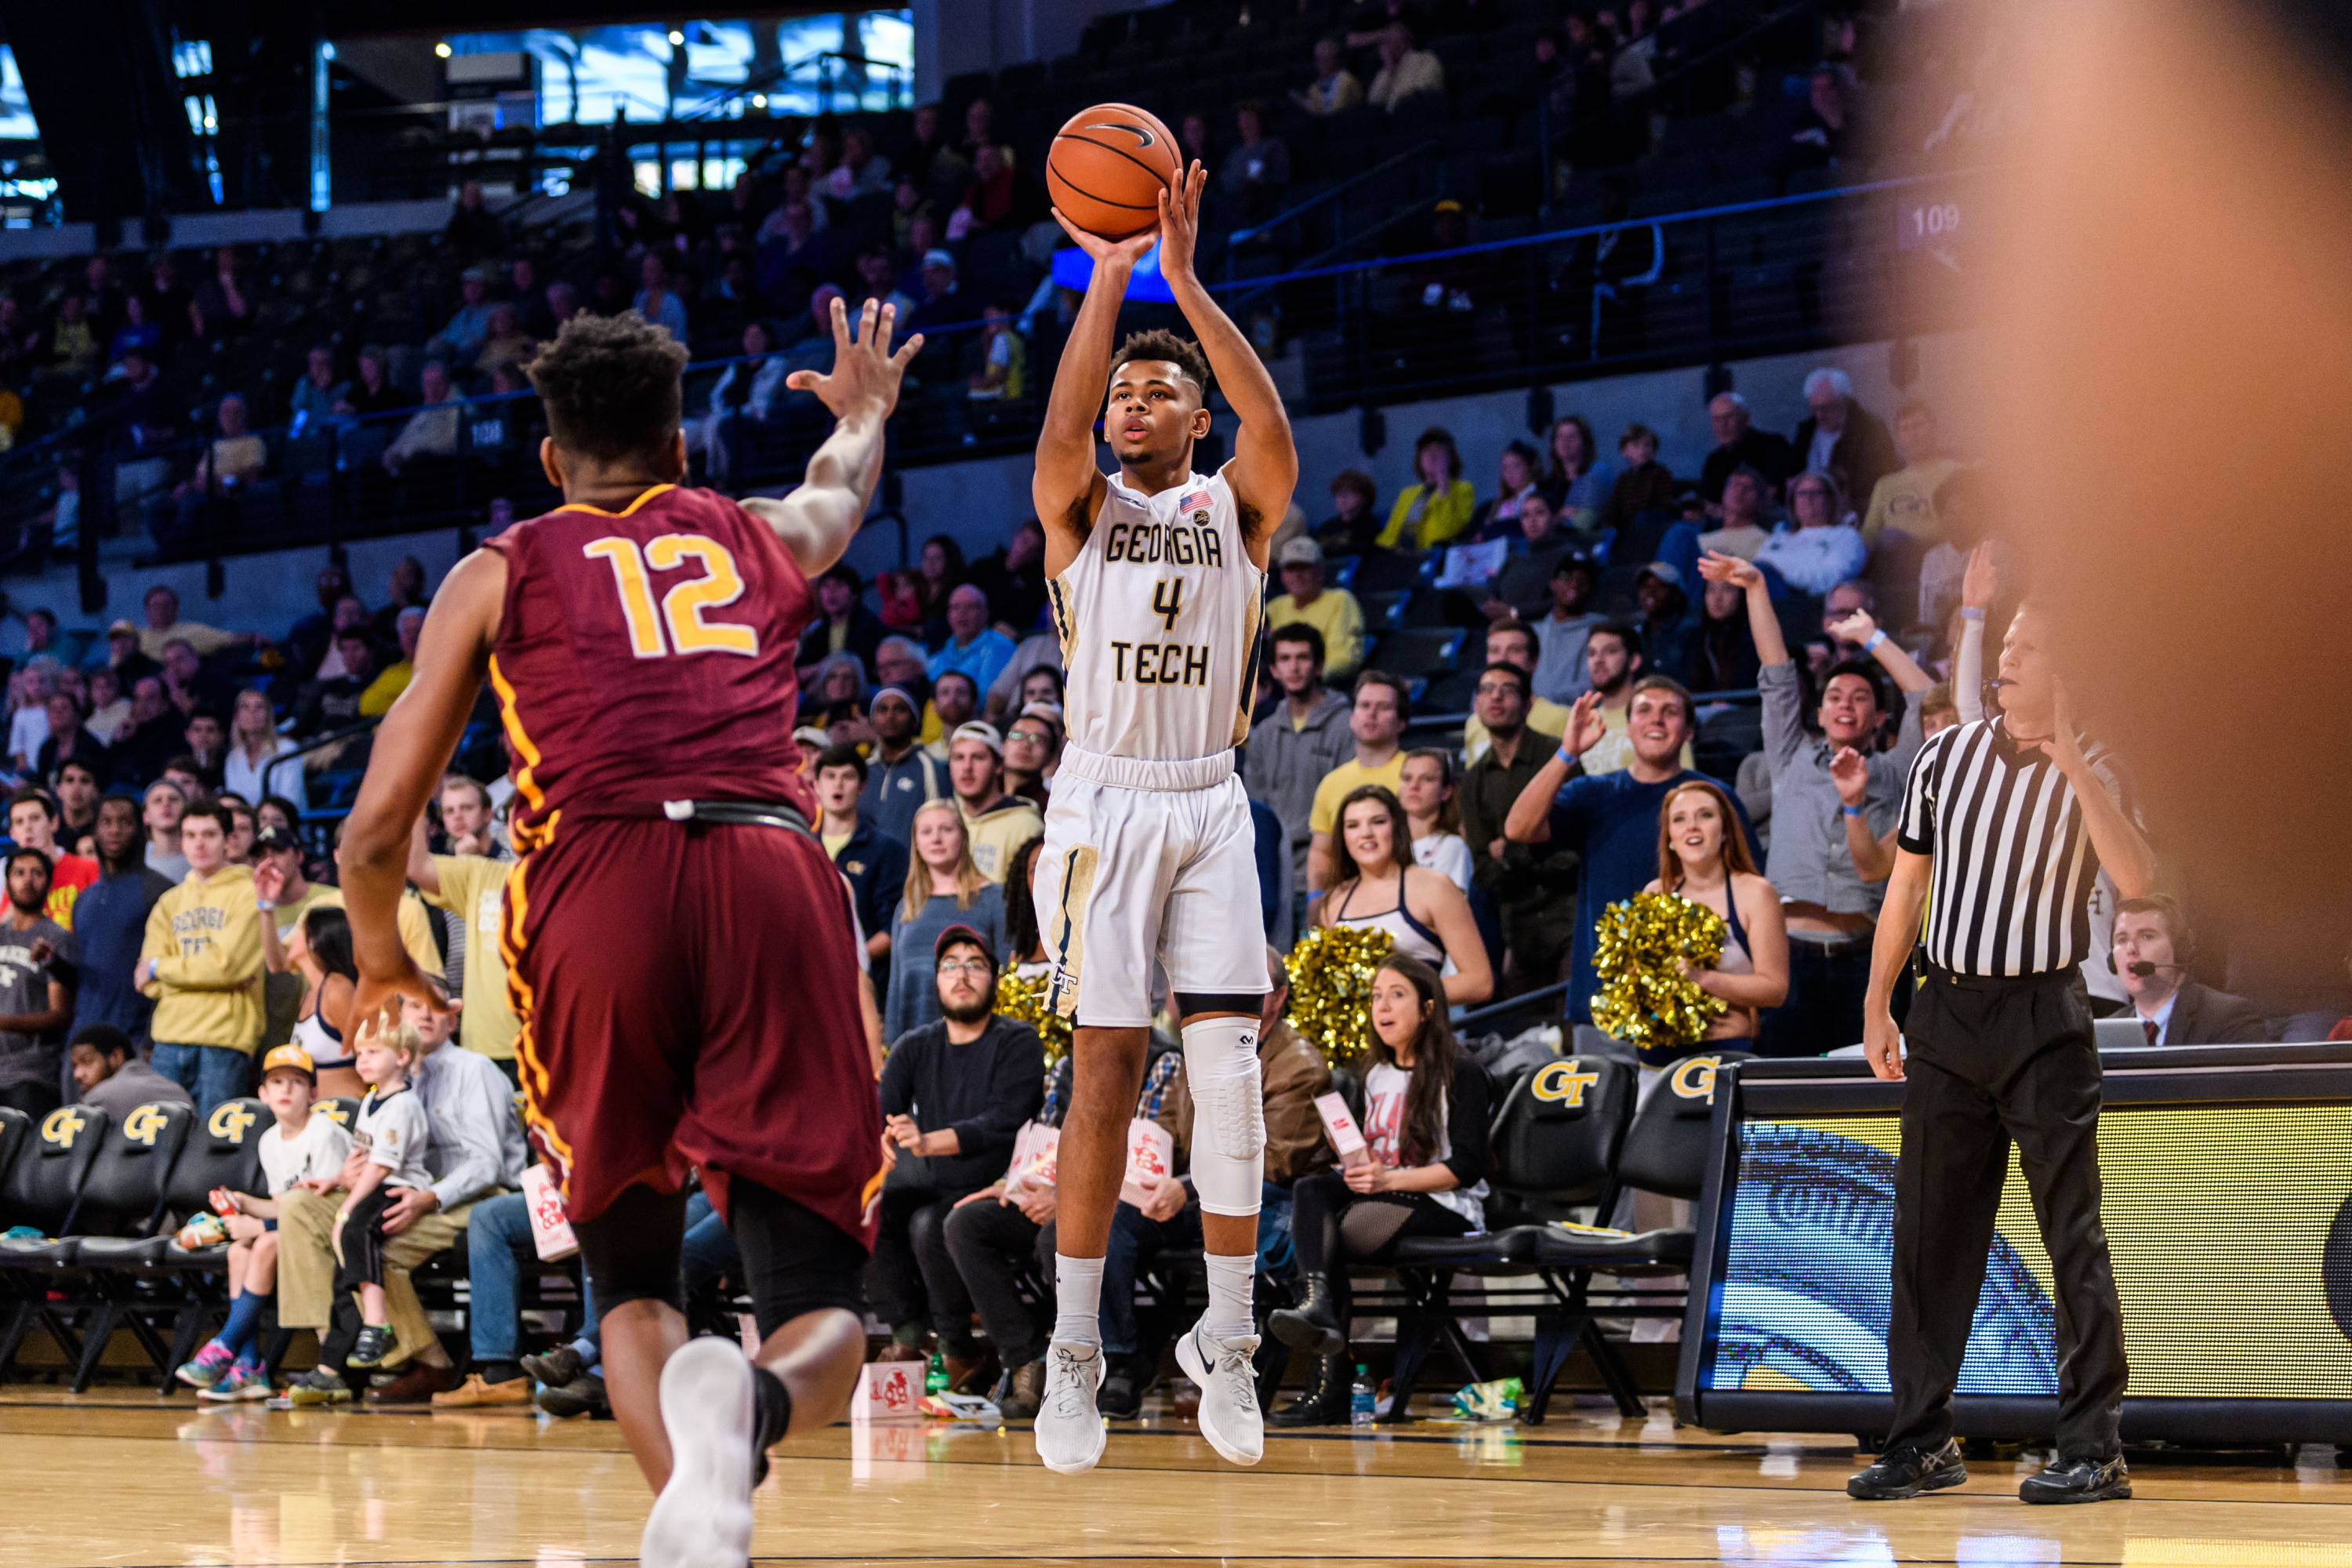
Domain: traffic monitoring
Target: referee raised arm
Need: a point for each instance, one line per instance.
(2008, 822)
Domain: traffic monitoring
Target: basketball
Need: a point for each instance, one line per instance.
(1108, 166)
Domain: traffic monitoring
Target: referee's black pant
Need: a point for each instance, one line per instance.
(1992, 1061)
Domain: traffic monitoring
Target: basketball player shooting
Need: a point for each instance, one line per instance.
(1156, 576)
(640, 638)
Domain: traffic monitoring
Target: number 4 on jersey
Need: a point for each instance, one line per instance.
(1167, 600)
(683, 606)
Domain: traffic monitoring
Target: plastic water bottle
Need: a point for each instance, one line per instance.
(1360, 1397)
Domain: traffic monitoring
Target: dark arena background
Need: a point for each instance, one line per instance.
(1929, 308)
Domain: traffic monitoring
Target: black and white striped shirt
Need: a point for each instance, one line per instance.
(2009, 893)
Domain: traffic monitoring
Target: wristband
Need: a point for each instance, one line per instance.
(1972, 613)
(1565, 755)
(263, 904)
(1851, 810)
(1870, 645)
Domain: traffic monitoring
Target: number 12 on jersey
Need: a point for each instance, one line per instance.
(682, 608)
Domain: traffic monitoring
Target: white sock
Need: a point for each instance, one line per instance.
(1228, 1317)
(1078, 1299)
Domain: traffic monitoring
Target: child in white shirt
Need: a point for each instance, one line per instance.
(391, 1129)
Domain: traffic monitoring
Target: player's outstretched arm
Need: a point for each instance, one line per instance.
(818, 520)
(1264, 467)
(413, 748)
(1068, 477)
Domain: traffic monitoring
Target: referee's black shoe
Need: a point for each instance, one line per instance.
(1907, 1472)
(2078, 1480)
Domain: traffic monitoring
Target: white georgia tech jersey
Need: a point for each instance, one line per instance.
(1159, 618)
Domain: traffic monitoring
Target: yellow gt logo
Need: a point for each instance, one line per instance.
(333, 1112)
(229, 1120)
(143, 1122)
(1563, 1081)
(1695, 1079)
(61, 1127)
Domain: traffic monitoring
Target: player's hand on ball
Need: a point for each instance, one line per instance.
(865, 374)
(1128, 251)
(1180, 222)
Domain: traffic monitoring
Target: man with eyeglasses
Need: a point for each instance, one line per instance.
(1530, 883)
(954, 1093)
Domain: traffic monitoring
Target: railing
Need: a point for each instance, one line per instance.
(297, 760)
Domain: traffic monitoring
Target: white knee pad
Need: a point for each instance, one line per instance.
(1228, 1114)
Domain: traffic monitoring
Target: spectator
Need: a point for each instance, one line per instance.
(166, 805)
(943, 889)
(1644, 484)
(2152, 949)
(1406, 70)
(1334, 87)
(1334, 613)
(254, 743)
(1522, 589)
(476, 1149)
(471, 884)
(206, 738)
(1354, 526)
(499, 1246)
(1035, 675)
(1840, 437)
(1738, 442)
(316, 396)
(954, 1092)
(1576, 479)
(111, 1076)
(371, 392)
(1822, 136)
(1823, 549)
(1560, 672)
(333, 704)
(77, 784)
(973, 648)
(940, 571)
(1611, 820)
(1614, 662)
(437, 428)
(1515, 643)
(473, 229)
(1032, 748)
(109, 709)
(874, 863)
(655, 300)
(1667, 625)
(28, 725)
(1743, 532)
(73, 345)
(201, 962)
(505, 342)
(1429, 513)
(1376, 885)
(392, 679)
(529, 299)
(790, 252)
(1830, 857)
(460, 339)
(1302, 739)
(37, 968)
(746, 389)
(1012, 582)
(1526, 885)
(1905, 500)
(1497, 517)
(233, 459)
(862, 171)
(186, 684)
(904, 776)
(1963, 507)
(1002, 377)
(137, 334)
(32, 825)
(1375, 721)
(1251, 180)
(350, 615)
(111, 922)
(1435, 815)
(842, 623)
(996, 823)
(1426, 1103)
(1702, 860)
(943, 304)
(1721, 653)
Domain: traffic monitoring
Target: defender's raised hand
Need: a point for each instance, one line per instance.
(865, 374)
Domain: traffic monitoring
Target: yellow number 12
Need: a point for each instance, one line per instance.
(683, 606)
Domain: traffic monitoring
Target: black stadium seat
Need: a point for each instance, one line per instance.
(123, 1199)
(41, 1190)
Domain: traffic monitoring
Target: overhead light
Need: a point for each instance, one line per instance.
(442, 49)
(759, 100)
(675, 37)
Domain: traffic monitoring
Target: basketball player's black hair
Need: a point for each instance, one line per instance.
(1162, 345)
(610, 387)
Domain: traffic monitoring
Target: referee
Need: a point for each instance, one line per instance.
(2006, 822)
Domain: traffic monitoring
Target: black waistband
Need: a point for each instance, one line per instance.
(740, 812)
(2066, 976)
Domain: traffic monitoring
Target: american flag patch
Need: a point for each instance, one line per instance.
(1198, 499)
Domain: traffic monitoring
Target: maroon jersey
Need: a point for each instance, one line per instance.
(647, 655)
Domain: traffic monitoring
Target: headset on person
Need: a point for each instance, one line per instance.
(2184, 938)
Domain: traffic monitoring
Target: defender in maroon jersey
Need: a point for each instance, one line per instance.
(679, 948)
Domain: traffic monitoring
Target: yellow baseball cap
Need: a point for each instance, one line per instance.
(290, 1055)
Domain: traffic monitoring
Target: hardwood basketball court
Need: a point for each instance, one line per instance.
(118, 1477)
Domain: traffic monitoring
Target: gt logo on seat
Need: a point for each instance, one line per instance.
(62, 1127)
(1563, 1081)
(1695, 1079)
(143, 1122)
(229, 1120)
(333, 1112)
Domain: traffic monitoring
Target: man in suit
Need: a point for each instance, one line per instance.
(2153, 947)
(1842, 438)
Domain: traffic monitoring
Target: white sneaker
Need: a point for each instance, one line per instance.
(1230, 1419)
(1070, 1431)
(703, 1517)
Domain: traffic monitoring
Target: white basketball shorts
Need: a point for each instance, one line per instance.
(1133, 876)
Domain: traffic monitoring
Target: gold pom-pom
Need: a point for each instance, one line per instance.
(1023, 999)
(1643, 998)
(1330, 972)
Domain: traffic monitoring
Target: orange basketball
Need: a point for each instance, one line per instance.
(1108, 167)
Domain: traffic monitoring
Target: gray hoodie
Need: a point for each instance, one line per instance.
(1287, 760)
